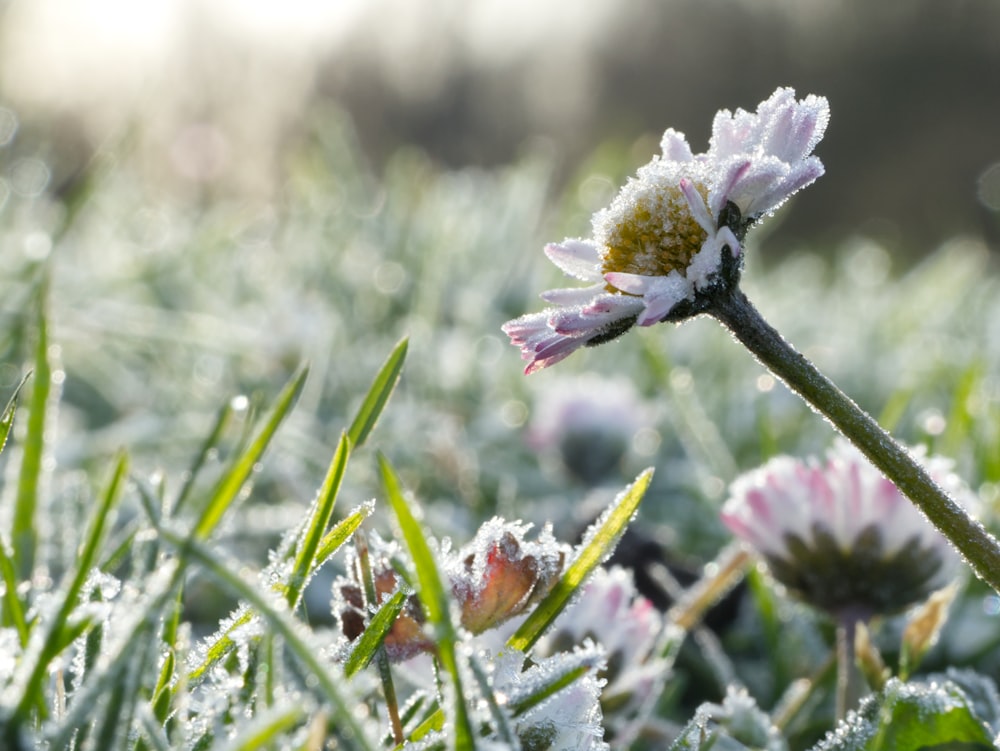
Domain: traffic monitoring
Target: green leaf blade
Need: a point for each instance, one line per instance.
(25, 533)
(598, 544)
(306, 557)
(370, 641)
(378, 395)
(281, 623)
(228, 488)
(433, 596)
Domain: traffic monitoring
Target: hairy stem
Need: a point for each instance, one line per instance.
(979, 548)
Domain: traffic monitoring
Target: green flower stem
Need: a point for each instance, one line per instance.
(848, 678)
(979, 548)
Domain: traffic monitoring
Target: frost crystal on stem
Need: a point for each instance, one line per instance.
(673, 235)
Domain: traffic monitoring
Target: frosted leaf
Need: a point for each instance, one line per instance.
(926, 714)
(737, 723)
(568, 719)
(981, 690)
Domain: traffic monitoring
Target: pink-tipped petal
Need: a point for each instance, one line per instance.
(572, 295)
(577, 258)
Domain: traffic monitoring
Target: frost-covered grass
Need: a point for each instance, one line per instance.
(187, 517)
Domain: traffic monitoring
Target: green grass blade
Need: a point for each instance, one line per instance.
(84, 562)
(13, 610)
(7, 419)
(379, 393)
(267, 729)
(208, 445)
(433, 596)
(371, 640)
(305, 558)
(553, 683)
(138, 633)
(220, 647)
(327, 546)
(25, 532)
(229, 486)
(286, 627)
(151, 730)
(598, 544)
(501, 724)
(342, 532)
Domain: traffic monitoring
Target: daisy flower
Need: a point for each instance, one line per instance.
(839, 535)
(673, 236)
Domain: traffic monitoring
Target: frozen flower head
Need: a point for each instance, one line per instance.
(840, 535)
(589, 422)
(673, 236)
(495, 577)
(500, 573)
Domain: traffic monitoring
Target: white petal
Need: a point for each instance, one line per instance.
(675, 146)
(568, 296)
(697, 205)
(579, 258)
(662, 296)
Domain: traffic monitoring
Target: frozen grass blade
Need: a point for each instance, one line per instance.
(267, 729)
(598, 544)
(105, 677)
(504, 731)
(222, 419)
(379, 393)
(13, 610)
(25, 533)
(336, 537)
(285, 626)
(328, 545)
(152, 732)
(433, 596)
(554, 682)
(229, 486)
(381, 659)
(305, 558)
(55, 638)
(371, 640)
(7, 419)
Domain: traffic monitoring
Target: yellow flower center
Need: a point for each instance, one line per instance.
(651, 234)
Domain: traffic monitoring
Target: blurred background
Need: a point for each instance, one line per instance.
(204, 193)
(212, 95)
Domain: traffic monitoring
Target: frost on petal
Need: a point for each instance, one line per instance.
(797, 127)
(593, 317)
(500, 573)
(663, 296)
(577, 258)
(569, 296)
(550, 336)
(675, 146)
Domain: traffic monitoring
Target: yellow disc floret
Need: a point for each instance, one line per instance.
(650, 232)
